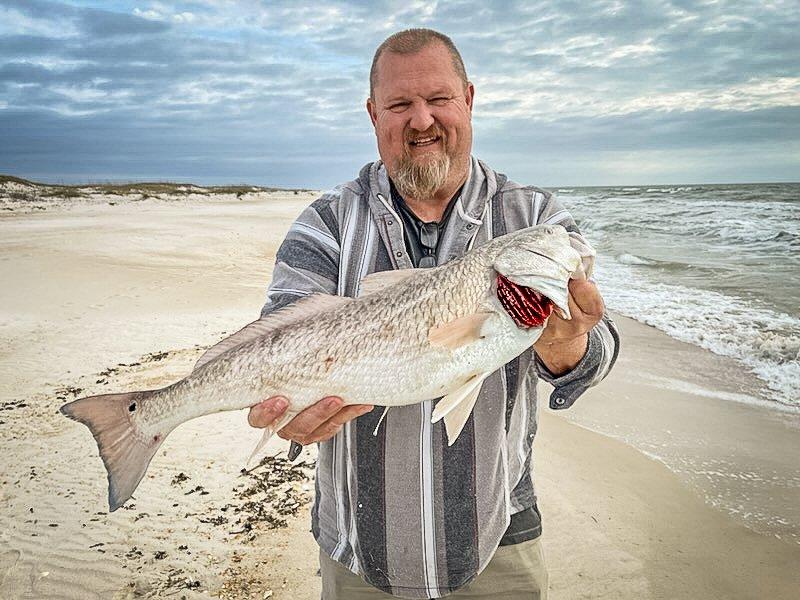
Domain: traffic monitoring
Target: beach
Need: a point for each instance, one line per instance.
(674, 478)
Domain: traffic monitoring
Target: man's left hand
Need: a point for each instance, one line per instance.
(563, 341)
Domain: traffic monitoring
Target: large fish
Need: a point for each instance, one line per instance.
(411, 335)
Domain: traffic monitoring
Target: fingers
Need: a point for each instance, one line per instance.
(322, 420)
(586, 309)
(331, 427)
(348, 413)
(311, 418)
(317, 423)
(265, 413)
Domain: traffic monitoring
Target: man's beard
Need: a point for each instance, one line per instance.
(421, 181)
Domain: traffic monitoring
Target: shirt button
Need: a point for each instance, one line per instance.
(390, 222)
(398, 254)
(560, 401)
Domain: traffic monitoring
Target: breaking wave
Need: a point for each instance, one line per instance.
(632, 259)
(715, 266)
(766, 341)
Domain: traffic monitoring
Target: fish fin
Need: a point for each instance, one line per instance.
(268, 433)
(456, 407)
(378, 426)
(125, 451)
(460, 332)
(374, 282)
(297, 311)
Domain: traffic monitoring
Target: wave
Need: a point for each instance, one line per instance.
(632, 259)
(704, 225)
(749, 234)
(635, 260)
(673, 190)
(765, 340)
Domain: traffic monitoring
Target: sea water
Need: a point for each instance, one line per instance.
(713, 265)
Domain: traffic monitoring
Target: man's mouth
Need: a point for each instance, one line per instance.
(424, 141)
(527, 307)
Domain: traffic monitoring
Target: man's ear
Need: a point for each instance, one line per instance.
(469, 94)
(373, 112)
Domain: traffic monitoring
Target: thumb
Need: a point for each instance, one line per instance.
(587, 297)
(265, 413)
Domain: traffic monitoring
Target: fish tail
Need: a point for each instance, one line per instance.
(125, 450)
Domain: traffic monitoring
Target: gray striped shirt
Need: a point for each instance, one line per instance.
(411, 515)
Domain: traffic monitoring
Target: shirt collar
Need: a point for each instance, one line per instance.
(401, 205)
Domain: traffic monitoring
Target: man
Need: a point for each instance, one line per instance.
(410, 515)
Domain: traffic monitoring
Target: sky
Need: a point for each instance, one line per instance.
(273, 92)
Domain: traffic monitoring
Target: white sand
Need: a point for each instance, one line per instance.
(93, 286)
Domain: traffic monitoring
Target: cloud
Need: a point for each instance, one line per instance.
(274, 90)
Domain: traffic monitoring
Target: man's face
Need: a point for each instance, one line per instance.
(422, 116)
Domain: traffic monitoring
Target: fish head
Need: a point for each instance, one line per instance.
(533, 271)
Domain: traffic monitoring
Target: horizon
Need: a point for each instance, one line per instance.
(272, 93)
(232, 183)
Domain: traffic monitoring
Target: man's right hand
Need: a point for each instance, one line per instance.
(317, 423)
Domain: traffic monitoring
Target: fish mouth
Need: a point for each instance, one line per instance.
(527, 307)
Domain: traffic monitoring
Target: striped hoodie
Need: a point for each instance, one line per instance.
(411, 515)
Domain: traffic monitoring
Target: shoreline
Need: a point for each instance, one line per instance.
(126, 297)
(621, 525)
(672, 402)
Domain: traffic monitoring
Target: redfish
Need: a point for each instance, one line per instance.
(410, 336)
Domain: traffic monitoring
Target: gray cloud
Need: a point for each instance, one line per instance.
(273, 91)
(104, 24)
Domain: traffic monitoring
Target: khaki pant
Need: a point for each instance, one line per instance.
(516, 572)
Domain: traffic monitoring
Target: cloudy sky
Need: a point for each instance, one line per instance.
(272, 92)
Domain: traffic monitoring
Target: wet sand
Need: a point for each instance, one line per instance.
(110, 297)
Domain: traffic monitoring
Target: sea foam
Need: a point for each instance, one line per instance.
(717, 266)
(766, 341)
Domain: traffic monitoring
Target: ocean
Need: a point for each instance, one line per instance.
(713, 265)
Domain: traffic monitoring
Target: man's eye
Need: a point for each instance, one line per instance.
(398, 106)
(439, 100)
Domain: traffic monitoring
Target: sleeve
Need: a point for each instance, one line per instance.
(603, 344)
(307, 261)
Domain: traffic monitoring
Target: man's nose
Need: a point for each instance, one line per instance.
(421, 117)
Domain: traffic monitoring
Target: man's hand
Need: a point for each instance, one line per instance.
(317, 423)
(563, 342)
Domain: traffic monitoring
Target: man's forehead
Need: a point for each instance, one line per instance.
(430, 70)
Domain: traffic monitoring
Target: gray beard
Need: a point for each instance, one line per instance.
(421, 182)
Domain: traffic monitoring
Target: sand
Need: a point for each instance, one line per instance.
(102, 297)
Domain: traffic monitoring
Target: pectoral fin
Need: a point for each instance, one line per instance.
(456, 407)
(460, 332)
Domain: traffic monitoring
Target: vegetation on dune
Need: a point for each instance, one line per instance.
(145, 188)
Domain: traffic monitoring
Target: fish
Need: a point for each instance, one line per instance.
(410, 335)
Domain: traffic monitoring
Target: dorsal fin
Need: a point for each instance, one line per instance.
(375, 282)
(295, 312)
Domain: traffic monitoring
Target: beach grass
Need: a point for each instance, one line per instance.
(144, 188)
